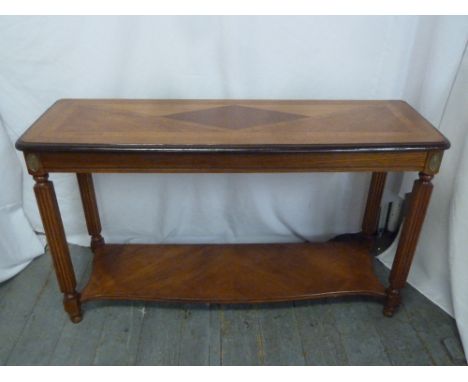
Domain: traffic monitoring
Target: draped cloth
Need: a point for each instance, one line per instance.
(413, 58)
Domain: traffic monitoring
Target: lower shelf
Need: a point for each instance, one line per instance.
(241, 273)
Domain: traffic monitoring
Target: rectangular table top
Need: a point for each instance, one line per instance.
(118, 125)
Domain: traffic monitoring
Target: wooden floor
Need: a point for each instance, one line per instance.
(34, 329)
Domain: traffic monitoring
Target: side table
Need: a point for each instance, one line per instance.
(198, 136)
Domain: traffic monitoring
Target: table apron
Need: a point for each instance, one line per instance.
(43, 162)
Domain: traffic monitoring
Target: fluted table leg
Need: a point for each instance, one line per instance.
(412, 225)
(53, 226)
(88, 198)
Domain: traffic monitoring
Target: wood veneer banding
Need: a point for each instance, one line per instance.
(243, 273)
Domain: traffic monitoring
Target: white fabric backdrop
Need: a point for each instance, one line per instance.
(413, 58)
(458, 218)
(440, 263)
(18, 242)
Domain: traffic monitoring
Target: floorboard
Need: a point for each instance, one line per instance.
(78, 343)
(281, 339)
(433, 326)
(43, 328)
(34, 329)
(241, 339)
(120, 336)
(401, 343)
(362, 343)
(160, 335)
(197, 336)
(322, 344)
(18, 302)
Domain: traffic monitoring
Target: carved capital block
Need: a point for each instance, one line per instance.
(33, 163)
(433, 162)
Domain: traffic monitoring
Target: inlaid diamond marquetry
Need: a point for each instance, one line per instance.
(235, 117)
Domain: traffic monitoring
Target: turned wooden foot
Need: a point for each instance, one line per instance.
(71, 303)
(96, 241)
(392, 302)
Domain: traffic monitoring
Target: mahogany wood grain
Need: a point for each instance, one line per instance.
(371, 215)
(244, 273)
(52, 221)
(420, 196)
(241, 125)
(88, 198)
